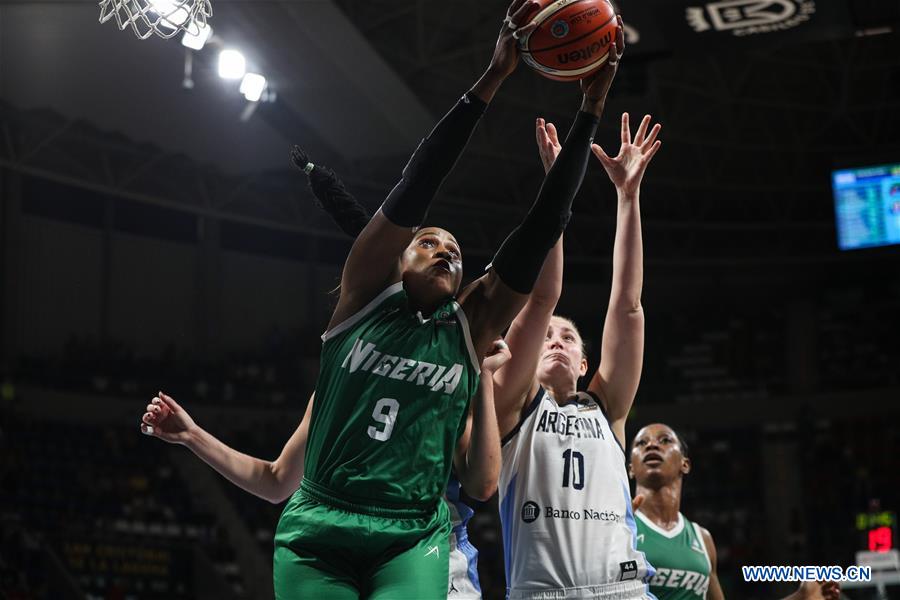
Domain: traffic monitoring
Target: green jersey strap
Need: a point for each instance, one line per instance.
(467, 334)
(361, 313)
(699, 532)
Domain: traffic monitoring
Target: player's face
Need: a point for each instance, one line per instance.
(562, 356)
(656, 456)
(432, 264)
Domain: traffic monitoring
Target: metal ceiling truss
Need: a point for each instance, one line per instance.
(46, 146)
(748, 144)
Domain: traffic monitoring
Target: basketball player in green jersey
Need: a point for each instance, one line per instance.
(682, 551)
(400, 361)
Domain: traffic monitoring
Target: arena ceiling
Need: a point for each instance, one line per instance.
(750, 133)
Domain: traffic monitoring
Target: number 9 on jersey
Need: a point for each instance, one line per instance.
(385, 413)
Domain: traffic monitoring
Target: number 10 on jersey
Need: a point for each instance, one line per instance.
(385, 413)
(573, 469)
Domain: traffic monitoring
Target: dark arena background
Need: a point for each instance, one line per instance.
(154, 236)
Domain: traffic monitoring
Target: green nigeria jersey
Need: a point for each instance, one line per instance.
(391, 402)
(679, 558)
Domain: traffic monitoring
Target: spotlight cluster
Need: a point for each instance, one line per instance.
(232, 65)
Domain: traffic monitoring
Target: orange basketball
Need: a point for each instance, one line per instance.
(572, 38)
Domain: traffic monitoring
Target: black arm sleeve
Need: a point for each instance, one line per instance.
(341, 205)
(519, 260)
(407, 204)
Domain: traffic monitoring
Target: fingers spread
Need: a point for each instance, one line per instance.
(648, 143)
(653, 149)
(600, 154)
(642, 130)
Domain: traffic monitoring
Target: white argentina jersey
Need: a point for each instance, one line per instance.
(565, 506)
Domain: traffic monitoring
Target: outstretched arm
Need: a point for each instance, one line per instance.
(494, 300)
(274, 480)
(477, 458)
(331, 195)
(515, 384)
(622, 353)
(373, 263)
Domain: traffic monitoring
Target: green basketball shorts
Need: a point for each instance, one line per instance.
(327, 548)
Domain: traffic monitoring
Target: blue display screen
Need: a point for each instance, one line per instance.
(867, 206)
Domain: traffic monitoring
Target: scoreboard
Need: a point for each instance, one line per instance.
(867, 206)
(878, 530)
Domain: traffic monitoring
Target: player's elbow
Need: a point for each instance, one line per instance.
(484, 486)
(281, 484)
(626, 298)
(543, 297)
(483, 492)
(278, 498)
(280, 493)
(630, 307)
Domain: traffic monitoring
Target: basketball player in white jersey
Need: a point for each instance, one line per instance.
(683, 553)
(565, 504)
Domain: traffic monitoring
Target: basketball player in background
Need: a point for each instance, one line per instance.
(682, 552)
(565, 504)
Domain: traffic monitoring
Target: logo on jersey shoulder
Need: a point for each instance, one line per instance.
(365, 357)
(444, 318)
(530, 512)
(628, 570)
(586, 403)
